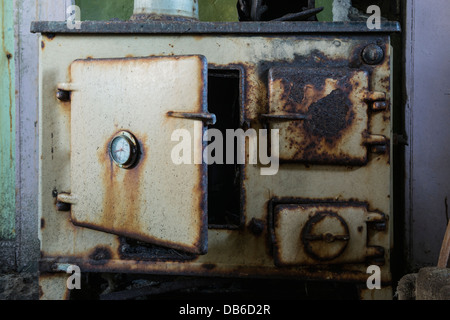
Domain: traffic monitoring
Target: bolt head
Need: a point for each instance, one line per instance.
(373, 54)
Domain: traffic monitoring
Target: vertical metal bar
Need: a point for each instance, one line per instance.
(26, 123)
(409, 81)
(26, 48)
(7, 124)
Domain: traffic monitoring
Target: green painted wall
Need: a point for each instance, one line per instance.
(327, 13)
(217, 10)
(105, 9)
(7, 123)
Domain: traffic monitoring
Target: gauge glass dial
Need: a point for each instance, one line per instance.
(123, 149)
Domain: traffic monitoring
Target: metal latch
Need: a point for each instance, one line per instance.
(379, 103)
(206, 117)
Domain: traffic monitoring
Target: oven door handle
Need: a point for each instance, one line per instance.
(284, 116)
(206, 117)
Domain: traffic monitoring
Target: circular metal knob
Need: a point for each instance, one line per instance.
(372, 54)
(325, 236)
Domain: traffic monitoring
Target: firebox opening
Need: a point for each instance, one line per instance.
(224, 180)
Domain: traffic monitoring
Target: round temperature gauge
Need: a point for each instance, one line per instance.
(123, 149)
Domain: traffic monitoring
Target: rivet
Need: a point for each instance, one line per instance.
(372, 54)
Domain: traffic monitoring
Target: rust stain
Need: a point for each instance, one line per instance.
(385, 82)
(315, 59)
(209, 266)
(100, 255)
(201, 190)
(50, 36)
(324, 97)
(336, 272)
(122, 196)
(330, 116)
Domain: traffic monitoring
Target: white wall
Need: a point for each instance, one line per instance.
(428, 125)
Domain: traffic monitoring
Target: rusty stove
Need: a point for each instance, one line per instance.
(115, 87)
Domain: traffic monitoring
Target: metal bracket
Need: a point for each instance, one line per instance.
(67, 198)
(374, 139)
(377, 142)
(206, 117)
(378, 100)
(64, 91)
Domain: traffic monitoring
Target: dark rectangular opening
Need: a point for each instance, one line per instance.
(224, 180)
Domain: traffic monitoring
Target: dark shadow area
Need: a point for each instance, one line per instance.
(146, 287)
(224, 191)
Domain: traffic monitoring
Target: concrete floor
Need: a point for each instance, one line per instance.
(19, 286)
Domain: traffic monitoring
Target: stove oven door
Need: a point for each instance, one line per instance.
(323, 115)
(136, 146)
